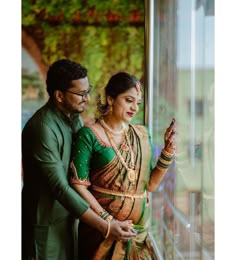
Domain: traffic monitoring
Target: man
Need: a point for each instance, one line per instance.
(49, 204)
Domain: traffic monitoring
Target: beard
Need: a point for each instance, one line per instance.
(74, 107)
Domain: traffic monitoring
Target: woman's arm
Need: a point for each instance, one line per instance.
(87, 195)
(80, 170)
(165, 158)
(155, 179)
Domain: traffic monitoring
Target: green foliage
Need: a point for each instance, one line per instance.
(33, 11)
(104, 48)
(32, 80)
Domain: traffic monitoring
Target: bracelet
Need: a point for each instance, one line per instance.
(160, 165)
(105, 215)
(99, 213)
(170, 155)
(164, 160)
(108, 229)
(109, 218)
(160, 159)
(164, 157)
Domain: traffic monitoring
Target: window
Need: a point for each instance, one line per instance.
(182, 82)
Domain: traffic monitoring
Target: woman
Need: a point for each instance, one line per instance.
(112, 170)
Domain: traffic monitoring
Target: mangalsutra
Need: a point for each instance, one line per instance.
(105, 126)
(130, 169)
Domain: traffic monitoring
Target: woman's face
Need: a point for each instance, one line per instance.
(126, 105)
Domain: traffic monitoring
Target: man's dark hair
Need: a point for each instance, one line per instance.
(61, 73)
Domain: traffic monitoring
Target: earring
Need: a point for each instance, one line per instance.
(110, 110)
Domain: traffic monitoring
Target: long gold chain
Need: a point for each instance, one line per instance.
(130, 170)
(131, 151)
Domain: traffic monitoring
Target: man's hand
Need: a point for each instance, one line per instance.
(122, 231)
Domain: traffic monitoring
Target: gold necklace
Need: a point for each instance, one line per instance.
(130, 170)
(105, 126)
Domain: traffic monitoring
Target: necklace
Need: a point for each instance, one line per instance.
(105, 126)
(130, 169)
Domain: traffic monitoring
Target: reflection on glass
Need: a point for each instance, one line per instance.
(183, 206)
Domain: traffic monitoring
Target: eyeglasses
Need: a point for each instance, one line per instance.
(84, 95)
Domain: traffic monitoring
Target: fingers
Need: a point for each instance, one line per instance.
(126, 235)
(169, 137)
(171, 129)
(127, 228)
(126, 224)
(122, 231)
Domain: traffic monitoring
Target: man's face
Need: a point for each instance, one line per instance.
(76, 97)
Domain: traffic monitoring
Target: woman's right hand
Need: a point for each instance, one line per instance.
(169, 137)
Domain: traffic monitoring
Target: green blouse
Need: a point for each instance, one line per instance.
(91, 153)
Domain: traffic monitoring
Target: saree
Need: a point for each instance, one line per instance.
(97, 166)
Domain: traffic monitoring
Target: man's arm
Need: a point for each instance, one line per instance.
(120, 231)
(46, 152)
(47, 156)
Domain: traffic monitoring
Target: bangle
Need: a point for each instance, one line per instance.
(106, 216)
(164, 160)
(100, 213)
(162, 164)
(160, 159)
(108, 229)
(163, 156)
(109, 218)
(170, 155)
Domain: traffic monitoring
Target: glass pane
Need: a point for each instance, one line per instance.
(183, 87)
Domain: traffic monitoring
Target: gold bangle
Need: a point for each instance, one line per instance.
(108, 229)
(167, 163)
(167, 153)
(109, 218)
(100, 212)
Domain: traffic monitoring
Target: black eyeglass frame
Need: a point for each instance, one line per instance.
(85, 94)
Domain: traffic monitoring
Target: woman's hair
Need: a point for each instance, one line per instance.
(118, 84)
(61, 73)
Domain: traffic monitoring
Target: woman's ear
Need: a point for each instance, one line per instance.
(59, 96)
(109, 100)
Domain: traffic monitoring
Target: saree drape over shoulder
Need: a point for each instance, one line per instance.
(97, 166)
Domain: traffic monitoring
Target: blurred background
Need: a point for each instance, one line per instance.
(169, 46)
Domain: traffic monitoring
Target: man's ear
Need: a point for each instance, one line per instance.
(59, 96)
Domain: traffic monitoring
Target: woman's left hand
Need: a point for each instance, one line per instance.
(169, 138)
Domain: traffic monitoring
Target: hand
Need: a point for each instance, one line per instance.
(122, 231)
(169, 137)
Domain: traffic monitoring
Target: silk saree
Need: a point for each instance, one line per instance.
(97, 166)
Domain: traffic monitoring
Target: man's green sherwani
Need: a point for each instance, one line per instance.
(49, 204)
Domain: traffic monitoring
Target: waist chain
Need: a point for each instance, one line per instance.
(120, 193)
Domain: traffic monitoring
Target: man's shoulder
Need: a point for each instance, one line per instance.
(44, 116)
(43, 113)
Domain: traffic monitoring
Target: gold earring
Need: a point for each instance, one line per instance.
(110, 109)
